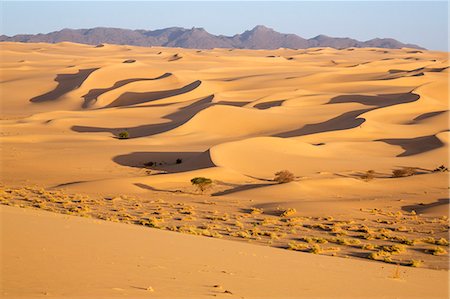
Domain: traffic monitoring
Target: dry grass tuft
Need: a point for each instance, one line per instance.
(436, 251)
(380, 255)
(404, 172)
(284, 176)
(288, 212)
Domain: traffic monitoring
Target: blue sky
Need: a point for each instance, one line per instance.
(421, 22)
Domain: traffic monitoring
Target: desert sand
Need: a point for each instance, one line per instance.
(363, 131)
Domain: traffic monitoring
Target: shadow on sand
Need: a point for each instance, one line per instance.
(176, 119)
(351, 119)
(66, 83)
(166, 161)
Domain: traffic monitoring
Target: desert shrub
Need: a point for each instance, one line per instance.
(284, 176)
(441, 168)
(442, 241)
(201, 183)
(393, 248)
(242, 234)
(369, 246)
(413, 263)
(123, 135)
(288, 212)
(312, 240)
(256, 211)
(297, 246)
(179, 161)
(316, 249)
(436, 251)
(380, 256)
(403, 240)
(369, 175)
(344, 241)
(404, 172)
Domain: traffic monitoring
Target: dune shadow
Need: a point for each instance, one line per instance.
(421, 208)
(66, 83)
(238, 189)
(426, 116)
(176, 119)
(268, 105)
(169, 162)
(381, 100)
(396, 74)
(422, 69)
(414, 146)
(351, 119)
(133, 98)
(93, 94)
(233, 103)
(344, 121)
(150, 188)
(68, 184)
(240, 77)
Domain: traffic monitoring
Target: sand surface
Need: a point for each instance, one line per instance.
(236, 116)
(83, 258)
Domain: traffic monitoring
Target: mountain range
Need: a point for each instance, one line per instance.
(259, 37)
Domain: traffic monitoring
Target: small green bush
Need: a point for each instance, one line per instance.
(201, 183)
(123, 135)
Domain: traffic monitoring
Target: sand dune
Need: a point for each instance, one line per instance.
(93, 94)
(345, 123)
(66, 83)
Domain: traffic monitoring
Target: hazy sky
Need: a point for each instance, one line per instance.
(421, 22)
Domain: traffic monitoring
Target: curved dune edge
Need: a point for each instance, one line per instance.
(133, 98)
(111, 259)
(176, 119)
(66, 83)
(93, 94)
(415, 146)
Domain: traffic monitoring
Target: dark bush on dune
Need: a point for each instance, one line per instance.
(369, 175)
(284, 176)
(123, 135)
(404, 172)
(201, 183)
(441, 168)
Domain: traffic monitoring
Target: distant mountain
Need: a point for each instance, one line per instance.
(259, 37)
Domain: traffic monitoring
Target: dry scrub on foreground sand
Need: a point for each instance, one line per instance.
(395, 237)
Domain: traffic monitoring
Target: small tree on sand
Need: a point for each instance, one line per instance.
(284, 176)
(123, 135)
(201, 183)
